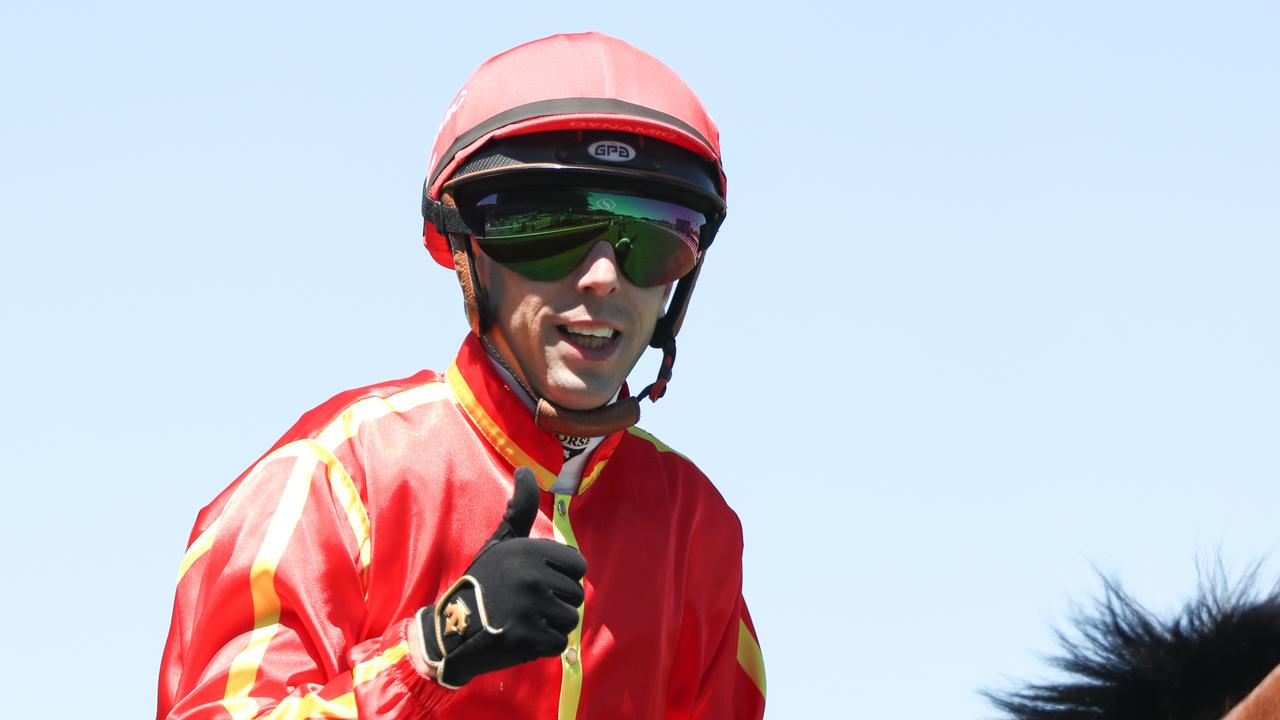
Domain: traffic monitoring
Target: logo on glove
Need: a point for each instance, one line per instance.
(456, 614)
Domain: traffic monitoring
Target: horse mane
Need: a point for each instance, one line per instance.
(1126, 663)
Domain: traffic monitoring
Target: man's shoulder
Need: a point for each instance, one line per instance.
(683, 476)
(330, 424)
(650, 442)
(370, 403)
(684, 493)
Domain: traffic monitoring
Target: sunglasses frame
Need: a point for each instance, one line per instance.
(619, 180)
(622, 181)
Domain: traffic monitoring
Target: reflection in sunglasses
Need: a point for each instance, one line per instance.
(545, 234)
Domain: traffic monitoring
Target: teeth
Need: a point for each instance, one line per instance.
(589, 337)
(600, 332)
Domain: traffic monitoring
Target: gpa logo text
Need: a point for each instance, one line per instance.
(611, 151)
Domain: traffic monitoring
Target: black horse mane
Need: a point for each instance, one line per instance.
(1126, 663)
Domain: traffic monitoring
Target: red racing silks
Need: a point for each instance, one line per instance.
(300, 580)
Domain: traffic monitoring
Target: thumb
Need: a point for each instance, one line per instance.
(521, 509)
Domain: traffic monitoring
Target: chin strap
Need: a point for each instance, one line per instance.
(473, 296)
(597, 422)
(604, 420)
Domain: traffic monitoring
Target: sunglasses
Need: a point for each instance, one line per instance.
(543, 234)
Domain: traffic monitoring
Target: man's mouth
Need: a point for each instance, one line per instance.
(585, 336)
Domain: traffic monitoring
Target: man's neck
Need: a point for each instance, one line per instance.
(576, 447)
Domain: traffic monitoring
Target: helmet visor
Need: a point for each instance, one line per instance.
(544, 234)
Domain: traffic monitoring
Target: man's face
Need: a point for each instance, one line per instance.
(574, 339)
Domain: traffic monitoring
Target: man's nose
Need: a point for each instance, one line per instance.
(598, 273)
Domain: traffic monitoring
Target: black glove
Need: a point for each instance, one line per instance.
(517, 602)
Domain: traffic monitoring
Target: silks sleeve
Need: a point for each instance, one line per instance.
(268, 620)
(719, 671)
(734, 684)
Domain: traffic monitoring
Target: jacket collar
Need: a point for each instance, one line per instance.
(506, 423)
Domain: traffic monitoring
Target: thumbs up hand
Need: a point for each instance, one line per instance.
(517, 602)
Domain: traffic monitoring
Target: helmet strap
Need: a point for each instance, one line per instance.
(474, 298)
(669, 324)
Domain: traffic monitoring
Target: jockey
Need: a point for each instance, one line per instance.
(499, 539)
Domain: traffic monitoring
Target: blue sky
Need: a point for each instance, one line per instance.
(995, 306)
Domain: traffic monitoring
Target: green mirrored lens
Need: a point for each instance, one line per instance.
(653, 254)
(544, 234)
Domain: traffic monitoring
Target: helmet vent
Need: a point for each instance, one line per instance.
(486, 162)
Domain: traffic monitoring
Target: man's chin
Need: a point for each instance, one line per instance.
(579, 395)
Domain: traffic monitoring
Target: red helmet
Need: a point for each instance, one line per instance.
(586, 82)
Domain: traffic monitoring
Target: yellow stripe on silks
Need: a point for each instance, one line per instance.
(571, 673)
(369, 669)
(749, 656)
(591, 477)
(206, 539)
(262, 575)
(662, 447)
(198, 549)
(342, 428)
(492, 431)
(347, 424)
(312, 705)
(241, 707)
(344, 490)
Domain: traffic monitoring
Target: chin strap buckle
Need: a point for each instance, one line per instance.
(658, 388)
